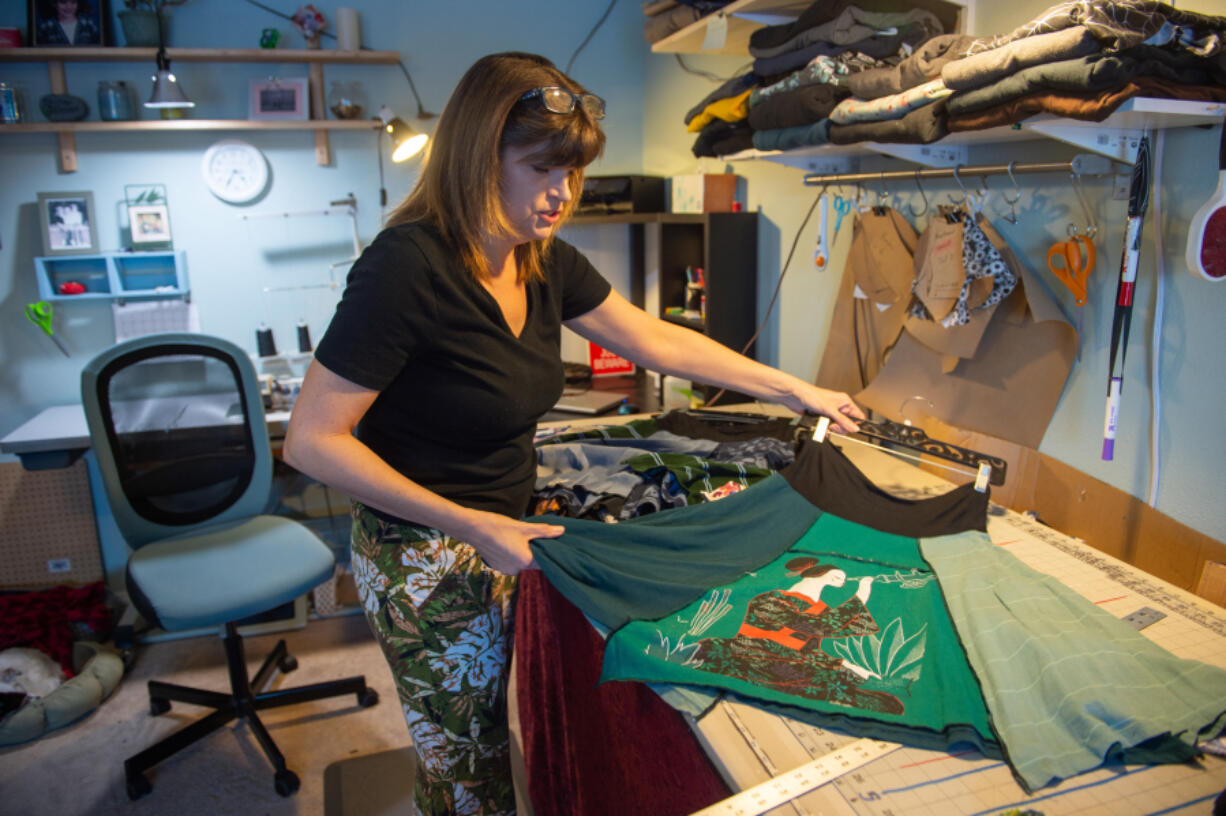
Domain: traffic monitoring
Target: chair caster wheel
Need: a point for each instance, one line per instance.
(368, 697)
(158, 705)
(287, 664)
(286, 783)
(138, 786)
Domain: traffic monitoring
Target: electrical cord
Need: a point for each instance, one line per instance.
(590, 34)
(708, 74)
(778, 284)
(1155, 428)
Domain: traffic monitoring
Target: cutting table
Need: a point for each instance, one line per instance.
(751, 746)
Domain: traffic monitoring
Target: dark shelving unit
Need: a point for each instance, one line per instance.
(724, 245)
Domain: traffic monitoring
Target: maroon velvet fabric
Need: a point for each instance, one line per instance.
(612, 749)
(43, 619)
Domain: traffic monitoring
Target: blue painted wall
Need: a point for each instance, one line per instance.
(231, 261)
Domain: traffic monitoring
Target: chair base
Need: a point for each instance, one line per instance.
(243, 701)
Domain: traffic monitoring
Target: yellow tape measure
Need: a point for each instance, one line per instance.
(813, 774)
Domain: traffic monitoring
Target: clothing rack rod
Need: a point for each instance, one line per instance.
(1079, 165)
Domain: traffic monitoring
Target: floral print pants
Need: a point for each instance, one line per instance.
(444, 621)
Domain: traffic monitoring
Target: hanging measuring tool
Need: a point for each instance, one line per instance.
(813, 774)
(821, 253)
(1138, 202)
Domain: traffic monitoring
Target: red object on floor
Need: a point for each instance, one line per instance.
(590, 750)
(43, 619)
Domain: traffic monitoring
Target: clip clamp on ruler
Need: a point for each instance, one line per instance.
(787, 786)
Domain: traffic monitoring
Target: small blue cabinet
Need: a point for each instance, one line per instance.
(114, 275)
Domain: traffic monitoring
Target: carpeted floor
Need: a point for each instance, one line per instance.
(359, 755)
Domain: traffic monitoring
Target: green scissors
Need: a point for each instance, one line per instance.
(40, 315)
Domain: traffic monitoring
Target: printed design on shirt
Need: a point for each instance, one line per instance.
(724, 490)
(796, 643)
(779, 643)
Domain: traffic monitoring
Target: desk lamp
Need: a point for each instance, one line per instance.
(406, 142)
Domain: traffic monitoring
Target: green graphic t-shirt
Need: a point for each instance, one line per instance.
(849, 621)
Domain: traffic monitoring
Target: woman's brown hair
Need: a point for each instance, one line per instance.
(458, 190)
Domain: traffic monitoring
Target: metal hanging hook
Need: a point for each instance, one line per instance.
(923, 195)
(885, 191)
(902, 409)
(1012, 202)
(1091, 225)
(961, 186)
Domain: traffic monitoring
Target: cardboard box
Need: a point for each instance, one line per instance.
(704, 193)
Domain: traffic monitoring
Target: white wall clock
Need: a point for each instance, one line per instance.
(235, 171)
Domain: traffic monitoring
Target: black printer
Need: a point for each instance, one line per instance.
(604, 195)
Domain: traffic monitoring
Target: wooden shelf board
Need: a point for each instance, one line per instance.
(193, 124)
(1140, 113)
(102, 54)
(742, 19)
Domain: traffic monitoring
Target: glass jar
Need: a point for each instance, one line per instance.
(114, 101)
(346, 100)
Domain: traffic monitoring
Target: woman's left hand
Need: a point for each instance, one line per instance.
(841, 409)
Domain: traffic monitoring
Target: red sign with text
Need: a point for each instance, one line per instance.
(605, 363)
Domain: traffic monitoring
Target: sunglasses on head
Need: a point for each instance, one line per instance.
(560, 100)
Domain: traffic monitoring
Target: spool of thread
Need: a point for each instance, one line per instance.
(304, 337)
(348, 30)
(264, 343)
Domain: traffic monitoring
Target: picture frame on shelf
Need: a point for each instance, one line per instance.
(148, 216)
(88, 24)
(69, 223)
(281, 99)
(149, 225)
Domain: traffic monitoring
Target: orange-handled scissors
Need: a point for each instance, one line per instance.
(40, 315)
(1071, 262)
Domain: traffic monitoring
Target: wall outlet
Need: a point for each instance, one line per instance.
(59, 565)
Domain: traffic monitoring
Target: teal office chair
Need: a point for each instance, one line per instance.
(177, 425)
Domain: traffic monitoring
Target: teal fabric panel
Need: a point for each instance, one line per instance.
(229, 571)
(1068, 684)
(886, 661)
(651, 565)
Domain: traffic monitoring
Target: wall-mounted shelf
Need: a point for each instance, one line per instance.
(727, 30)
(315, 59)
(1116, 137)
(114, 275)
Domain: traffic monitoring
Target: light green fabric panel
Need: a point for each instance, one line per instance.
(1067, 684)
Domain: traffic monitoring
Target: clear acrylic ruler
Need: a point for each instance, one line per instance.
(813, 774)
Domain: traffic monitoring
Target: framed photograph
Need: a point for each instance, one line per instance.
(69, 223)
(150, 226)
(279, 99)
(69, 22)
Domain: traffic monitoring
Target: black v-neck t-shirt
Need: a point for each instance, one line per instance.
(460, 394)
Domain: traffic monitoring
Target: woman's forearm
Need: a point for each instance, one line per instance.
(347, 464)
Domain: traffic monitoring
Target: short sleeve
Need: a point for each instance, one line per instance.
(385, 314)
(583, 288)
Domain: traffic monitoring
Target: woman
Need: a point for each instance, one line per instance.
(779, 644)
(66, 22)
(427, 386)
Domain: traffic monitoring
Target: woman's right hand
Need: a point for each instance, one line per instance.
(502, 542)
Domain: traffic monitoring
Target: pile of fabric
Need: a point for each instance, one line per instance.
(881, 71)
(813, 593)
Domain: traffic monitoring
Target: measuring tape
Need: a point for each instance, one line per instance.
(787, 786)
